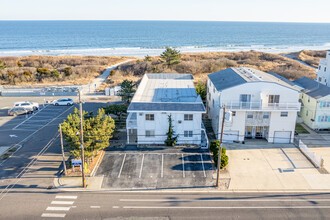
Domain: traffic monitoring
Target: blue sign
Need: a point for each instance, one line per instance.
(76, 162)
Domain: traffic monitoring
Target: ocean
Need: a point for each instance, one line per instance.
(139, 38)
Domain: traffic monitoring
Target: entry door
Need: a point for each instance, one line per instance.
(259, 132)
(132, 136)
(248, 132)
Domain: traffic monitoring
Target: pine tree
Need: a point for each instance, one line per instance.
(97, 131)
(171, 138)
(171, 56)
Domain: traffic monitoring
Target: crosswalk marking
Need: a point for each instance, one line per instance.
(53, 208)
(66, 197)
(53, 215)
(62, 202)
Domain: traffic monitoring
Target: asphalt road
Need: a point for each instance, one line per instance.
(147, 205)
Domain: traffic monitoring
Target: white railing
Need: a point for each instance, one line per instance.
(263, 106)
(317, 160)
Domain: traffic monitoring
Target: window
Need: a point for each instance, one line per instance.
(209, 96)
(284, 114)
(323, 118)
(319, 67)
(245, 100)
(249, 115)
(273, 99)
(320, 79)
(325, 69)
(150, 117)
(188, 117)
(213, 103)
(309, 99)
(188, 133)
(150, 133)
(307, 113)
(266, 115)
(233, 113)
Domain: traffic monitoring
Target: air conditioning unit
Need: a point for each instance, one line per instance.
(179, 121)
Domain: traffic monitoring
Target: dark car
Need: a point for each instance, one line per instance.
(19, 111)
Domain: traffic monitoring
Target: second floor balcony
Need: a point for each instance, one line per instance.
(260, 106)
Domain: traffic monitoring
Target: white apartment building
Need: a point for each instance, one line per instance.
(323, 72)
(157, 97)
(261, 105)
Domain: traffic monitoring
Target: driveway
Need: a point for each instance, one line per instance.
(156, 169)
(271, 167)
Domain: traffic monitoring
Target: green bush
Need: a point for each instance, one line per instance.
(43, 71)
(55, 73)
(67, 71)
(214, 147)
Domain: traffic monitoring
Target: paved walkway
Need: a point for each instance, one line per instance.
(97, 82)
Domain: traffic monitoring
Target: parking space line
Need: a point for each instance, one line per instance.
(122, 165)
(183, 174)
(141, 166)
(29, 117)
(162, 172)
(203, 165)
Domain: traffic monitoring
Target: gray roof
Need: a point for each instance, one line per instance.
(142, 106)
(235, 76)
(283, 78)
(166, 92)
(226, 78)
(313, 88)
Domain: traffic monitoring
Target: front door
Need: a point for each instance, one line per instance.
(132, 136)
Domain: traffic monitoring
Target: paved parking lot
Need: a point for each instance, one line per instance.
(156, 170)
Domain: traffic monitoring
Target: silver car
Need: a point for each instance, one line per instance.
(19, 111)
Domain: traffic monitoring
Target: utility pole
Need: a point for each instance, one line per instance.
(82, 142)
(220, 147)
(62, 150)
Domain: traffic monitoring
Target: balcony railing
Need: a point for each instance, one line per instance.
(131, 121)
(294, 106)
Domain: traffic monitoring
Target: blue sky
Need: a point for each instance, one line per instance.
(201, 10)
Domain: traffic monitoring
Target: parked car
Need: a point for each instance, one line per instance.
(19, 111)
(64, 101)
(28, 105)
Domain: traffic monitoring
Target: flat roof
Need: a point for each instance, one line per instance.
(166, 91)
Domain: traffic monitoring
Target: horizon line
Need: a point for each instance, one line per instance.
(305, 22)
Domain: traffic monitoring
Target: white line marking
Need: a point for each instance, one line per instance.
(95, 207)
(183, 174)
(115, 207)
(66, 197)
(52, 215)
(226, 207)
(5, 107)
(162, 171)
(62, 202)
(224, 200)
(29, 118)
(203, 165)
(53, 208)
(141, 166)
(122, 165)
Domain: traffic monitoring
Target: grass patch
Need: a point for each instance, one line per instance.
(300, 129)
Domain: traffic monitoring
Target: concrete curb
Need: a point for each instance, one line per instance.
(58, 184)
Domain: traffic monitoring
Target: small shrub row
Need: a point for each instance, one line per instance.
(214, 147)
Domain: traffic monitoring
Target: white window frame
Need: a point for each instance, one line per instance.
(150, 117)
(150, 133)
(188, 117)
(188, 134)
(284, 114)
